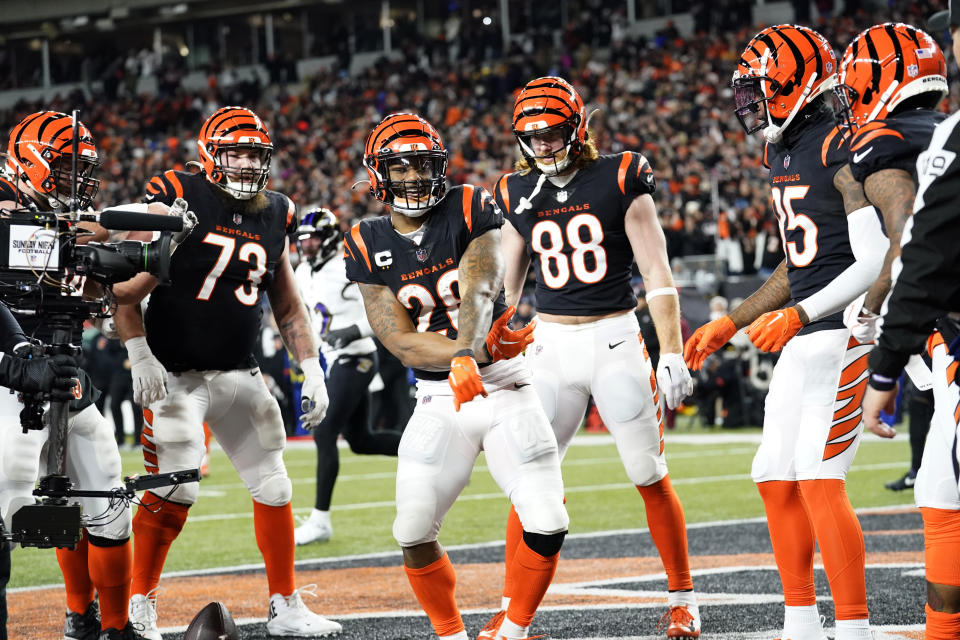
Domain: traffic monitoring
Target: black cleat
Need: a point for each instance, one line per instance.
(128, 632)
(906, 482)
(85, 626)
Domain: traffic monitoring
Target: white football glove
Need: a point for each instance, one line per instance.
(313, 394)
(864, 324)
(673, 379)
(149, 376)
(181, 208)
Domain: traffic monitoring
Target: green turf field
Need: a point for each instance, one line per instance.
(712, 479)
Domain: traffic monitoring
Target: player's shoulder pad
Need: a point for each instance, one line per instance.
(285, 209)
(633, 172)
(878, 138)
(502, 192)
(355, 245)
(473, 202)
(833, 150)
(168, 184)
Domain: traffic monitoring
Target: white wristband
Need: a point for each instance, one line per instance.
(138, 349)
(662, 291)
(312, 366)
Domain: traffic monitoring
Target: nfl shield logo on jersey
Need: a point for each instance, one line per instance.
(562, 196)
(237, 219)
(421, 254)
(786, 161)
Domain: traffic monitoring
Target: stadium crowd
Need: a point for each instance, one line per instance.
(666, 96)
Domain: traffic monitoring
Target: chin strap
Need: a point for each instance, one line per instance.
(527, 203)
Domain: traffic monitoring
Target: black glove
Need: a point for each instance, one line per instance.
(339, 338)
(56, 375)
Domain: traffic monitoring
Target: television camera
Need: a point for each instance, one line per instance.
(46, 265)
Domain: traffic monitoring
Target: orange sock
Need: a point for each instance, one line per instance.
(669, 532)
(153, 533)
(942, 626)
(941, 543)
(514, 537)
(110, 569)
(791, 533)
(76, 575)
(841, 545)
(206, 437)
(533, 573)
(273, 527)
(434, 587)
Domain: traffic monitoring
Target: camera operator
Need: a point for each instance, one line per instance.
(39, 164)
(56, 376)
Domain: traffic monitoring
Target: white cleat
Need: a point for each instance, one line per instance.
(289, 616)
(143, 615)
(313, 529)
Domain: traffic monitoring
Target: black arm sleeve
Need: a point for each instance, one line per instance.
(928, 285)
(10, 332)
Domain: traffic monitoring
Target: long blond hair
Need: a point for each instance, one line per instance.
(588, 155)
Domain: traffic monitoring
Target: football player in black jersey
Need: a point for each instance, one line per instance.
(891, 78)
(834, 249)
(38, 167)
(431, 277)
(889, 99)
(582, 219)
(238, 250)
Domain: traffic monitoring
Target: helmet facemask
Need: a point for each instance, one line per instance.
(557, 161)
(321, 229)
(750, 102)
(239, 179)
(412, 182)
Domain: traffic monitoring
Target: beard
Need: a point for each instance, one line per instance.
(253, 206)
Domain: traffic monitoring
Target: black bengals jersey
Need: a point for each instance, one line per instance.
(810, 210)
(892, 143)
(209, 318)
(34, 326)
(575, 234)
(424, 276)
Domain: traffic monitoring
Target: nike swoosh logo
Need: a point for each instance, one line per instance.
(615, 344)
(857, 157)
(520, 385)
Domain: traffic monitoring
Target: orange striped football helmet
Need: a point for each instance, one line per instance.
(407, 164)
(780, 72)
(884, 66)
(40, 152)
(550, 104)
(236, 135)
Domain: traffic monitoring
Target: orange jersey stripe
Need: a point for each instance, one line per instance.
(826, 145)
(291, 211)
(155, 186)
(622, 172)
(468, 205)
(934, 341)
(358, 240)
(175, 181)
(504, 193)
(861, 141)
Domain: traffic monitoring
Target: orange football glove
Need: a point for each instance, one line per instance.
(503, 343)
(465, 378)
(772, 330)
(706, 340)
